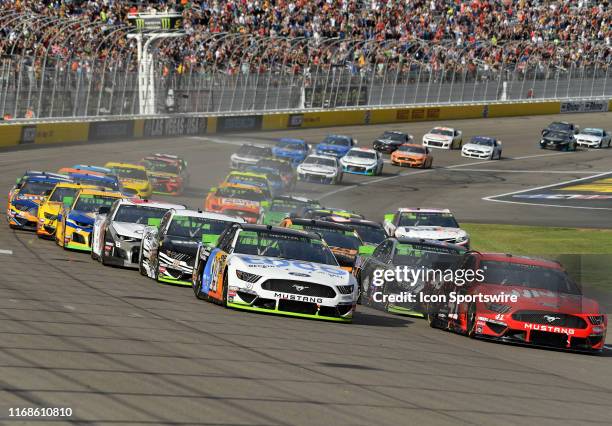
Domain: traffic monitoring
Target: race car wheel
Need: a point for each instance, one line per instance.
(471, 321)
(600, 145)
(432, 317)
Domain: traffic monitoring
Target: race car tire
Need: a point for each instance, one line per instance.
(141, 268)
(432, 317)
(600, 145)
(471, 321)
(156, 271)
(94, 256)
(225, 284)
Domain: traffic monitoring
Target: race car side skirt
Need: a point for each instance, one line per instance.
(291, 314)
(76, 246)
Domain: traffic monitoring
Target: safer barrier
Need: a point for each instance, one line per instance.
(13, 134)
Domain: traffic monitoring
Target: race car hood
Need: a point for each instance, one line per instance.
(533, 299)
(440, 138)
(134, 183)
(294, 270)
(590, 138)
(358, 161)
(274, 218)
(82, 217)
(180, 245)
(317, 168)
(477, 147)
(240, 203)
(130, 230)
(408, 155)
(430, 232)
(51, 207)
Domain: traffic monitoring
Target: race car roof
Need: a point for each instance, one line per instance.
(421, 210)
(321, 224)
(432, 243)
(207, 215)
(525, 260)
(169, 156)
(362, 149)
(450, 129)
(280, 230)
(47, 178)
(351, 220)
(483, 138)
(292, 140)
(328, 157)
(149, 203)
(240, 186)
(102, 192)
(124, 165)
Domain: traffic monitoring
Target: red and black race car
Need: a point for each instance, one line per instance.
(517, 299)
(167, 173)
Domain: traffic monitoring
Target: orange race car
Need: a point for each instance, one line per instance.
(236, 200)
(412, 155)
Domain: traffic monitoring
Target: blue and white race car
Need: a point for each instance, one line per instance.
(275, 270)
(294, 150)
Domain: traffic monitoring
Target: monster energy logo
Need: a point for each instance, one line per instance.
(165, 23)
(156, 23)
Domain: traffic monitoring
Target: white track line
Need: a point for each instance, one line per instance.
(494, 197)
(454, 166)
(9, 252)
(563, 172)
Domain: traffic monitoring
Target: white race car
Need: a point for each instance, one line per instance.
(320, 168)
(444, 138)
(429, 224)
(168, 253)
(483, 147)
(275, 270)
(116, 236)
(248, 155)
(593, 138)
(362, 161)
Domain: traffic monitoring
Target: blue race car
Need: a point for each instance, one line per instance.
(96, 169)
(336, 145)
(110, 182)
(294, 150)
(273, 175)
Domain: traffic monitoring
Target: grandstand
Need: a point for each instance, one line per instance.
(73, 58)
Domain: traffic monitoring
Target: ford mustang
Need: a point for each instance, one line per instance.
(548, 308)
(294, 150)
(243, 201)
(275, 270)
(167, 173)
(335, 145)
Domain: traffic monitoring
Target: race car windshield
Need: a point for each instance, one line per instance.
(337, 140)
(254, 151)
(529, 276)
(362, 154)
(592, 132)
(106, 183)
(194, 227)
(559, 126)
(36, 188)
(240, 193)
(556, 135)
(320, 161)
(90, 203)
(130, 173)
(426, 256)
(336, 237)
(138, 214)
(412, 149)
(443, 132)
(393, 136)
(290, 145)
(285, 246)
(428, 219)
(59, 193)
(369, 234)
(482, 141)
(162, 166)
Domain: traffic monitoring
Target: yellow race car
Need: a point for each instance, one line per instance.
(75, 223)
(132, 176)
(62, 195)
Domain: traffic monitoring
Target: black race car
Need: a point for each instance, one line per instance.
(561, 126)
(390, 141)
(370, 232)
(558, 140)
(429, 256)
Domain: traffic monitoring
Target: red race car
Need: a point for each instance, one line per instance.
(516, 299)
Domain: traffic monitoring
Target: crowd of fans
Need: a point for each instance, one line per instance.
(235, 36)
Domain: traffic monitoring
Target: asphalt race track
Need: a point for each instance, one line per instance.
(120, 349)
